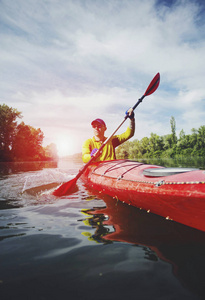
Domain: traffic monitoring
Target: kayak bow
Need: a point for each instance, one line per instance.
(174, 193)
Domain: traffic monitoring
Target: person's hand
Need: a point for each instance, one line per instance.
(93, 152)
(130, 113)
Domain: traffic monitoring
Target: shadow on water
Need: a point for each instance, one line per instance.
(179, 245)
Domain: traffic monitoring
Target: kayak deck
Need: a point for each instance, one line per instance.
(180, 196)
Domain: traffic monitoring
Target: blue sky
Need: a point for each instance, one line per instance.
(64, 63)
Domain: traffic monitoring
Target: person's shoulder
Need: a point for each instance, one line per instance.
(88, 141)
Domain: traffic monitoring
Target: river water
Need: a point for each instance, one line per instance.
(89, 246)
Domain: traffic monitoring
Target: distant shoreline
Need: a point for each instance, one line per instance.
(76, 157)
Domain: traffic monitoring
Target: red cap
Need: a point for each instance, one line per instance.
(98, 121)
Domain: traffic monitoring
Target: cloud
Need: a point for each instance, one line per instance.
(65, 62)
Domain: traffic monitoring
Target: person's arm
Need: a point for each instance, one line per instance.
(121, 138)
(132, 127)
(131, 116)
(86, 150)
(128, 133)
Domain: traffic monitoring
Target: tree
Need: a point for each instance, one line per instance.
(8, 125)
(166, 146)
(182, 135)
(156, 144)
(182, 142)
(28, 143)
(21, 142)
(51, 152)
(135, 150)
(144, 142)
(167, 140)
(173, 129)
(193, 138)
(122, 152)
(201, 140)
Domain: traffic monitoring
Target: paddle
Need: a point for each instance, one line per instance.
(67, 187)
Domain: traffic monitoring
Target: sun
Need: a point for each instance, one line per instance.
(64, 146)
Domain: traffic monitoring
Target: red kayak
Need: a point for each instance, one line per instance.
(177, 194)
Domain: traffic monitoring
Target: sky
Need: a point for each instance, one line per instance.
(64, 63)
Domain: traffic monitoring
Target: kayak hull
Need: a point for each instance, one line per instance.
(179, 197)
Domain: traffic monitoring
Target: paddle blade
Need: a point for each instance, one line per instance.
(65, 188)
(153, 85)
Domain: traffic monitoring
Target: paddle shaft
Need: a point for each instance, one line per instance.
(64, 188)
(106, 141)
(99, 151)
(138, 102)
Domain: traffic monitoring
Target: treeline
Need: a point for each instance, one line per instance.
(186, 145)
(21, 142)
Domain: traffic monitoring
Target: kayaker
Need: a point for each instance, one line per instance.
(91, 145)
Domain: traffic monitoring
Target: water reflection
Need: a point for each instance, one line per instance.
(181, 246)
(48, 228)
(96, 221)
(20, 167)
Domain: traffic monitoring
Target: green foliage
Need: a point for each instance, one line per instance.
(27, 143)
(8, 123)
(21, 142)
(173, 129)
(168, 146)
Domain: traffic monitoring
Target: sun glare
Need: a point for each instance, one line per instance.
(64, 146)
